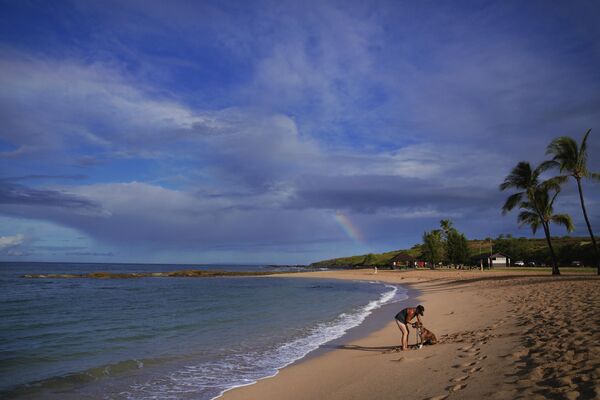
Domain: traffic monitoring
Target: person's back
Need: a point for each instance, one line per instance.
(404, 317)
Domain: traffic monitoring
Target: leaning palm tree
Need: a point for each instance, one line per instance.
(539, 211)
(533, 198)
(571, 160)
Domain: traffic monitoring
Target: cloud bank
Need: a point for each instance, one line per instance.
(237, 134)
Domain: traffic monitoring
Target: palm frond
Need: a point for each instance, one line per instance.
(529, 218)
(526, 205)
(548, 164)
(583, 147)
(512, 202)
(565, 152)
(554, 183)
(564, 220)
(520, 177)
(550, 205)
(541, 202)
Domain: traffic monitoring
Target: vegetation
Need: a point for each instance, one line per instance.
(536, 199)
(571, 160)
(378, 260)
(445, 245)
(456, 246)
(530, 250)
(433, 247)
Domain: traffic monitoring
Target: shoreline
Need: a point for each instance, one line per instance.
(375, 320)
(469, 311)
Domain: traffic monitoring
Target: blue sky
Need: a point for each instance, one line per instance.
(280, 132)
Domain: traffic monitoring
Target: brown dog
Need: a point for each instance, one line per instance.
(425, 336)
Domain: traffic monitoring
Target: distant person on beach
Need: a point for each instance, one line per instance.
(404, 317)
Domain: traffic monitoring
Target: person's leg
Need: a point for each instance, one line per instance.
(404, 331)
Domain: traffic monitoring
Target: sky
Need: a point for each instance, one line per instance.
(281, 131)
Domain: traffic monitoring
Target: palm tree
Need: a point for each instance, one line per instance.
(539, 211)
(535, 202)
(572, 161)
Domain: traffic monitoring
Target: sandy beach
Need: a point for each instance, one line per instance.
(503, 335)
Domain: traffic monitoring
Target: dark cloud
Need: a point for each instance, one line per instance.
(75, 177)
(371, 193)
(263, 121)
(89, 254)
(14, 194)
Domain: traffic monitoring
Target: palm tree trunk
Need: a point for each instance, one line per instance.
(587, 222)
(555, 270)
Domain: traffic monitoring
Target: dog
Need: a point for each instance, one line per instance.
(424, 335)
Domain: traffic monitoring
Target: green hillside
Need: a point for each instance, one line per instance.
(364, 260)
(568, 249)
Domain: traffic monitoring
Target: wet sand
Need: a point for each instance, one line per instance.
(503, 335)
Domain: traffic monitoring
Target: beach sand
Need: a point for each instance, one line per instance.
(503, 335)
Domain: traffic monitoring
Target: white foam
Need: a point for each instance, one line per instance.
(209, 380)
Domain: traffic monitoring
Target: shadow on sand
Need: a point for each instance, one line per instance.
(379, 349)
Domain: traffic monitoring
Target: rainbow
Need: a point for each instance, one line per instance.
(348, 227)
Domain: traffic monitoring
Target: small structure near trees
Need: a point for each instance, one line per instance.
(402, 260)
(499, 260)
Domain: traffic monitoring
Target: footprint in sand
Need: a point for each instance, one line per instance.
(481, 358)
(460, 378)
(475, 369)
(458, 387)
(519, 354)
(439, 397)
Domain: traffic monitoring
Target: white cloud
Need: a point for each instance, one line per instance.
(49, 104)
(7, 242)
(349, 108)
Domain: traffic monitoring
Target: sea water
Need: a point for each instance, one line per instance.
(164, 338)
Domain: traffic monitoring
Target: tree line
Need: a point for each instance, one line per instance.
(535, 197)
(568, 249)
(445, 245)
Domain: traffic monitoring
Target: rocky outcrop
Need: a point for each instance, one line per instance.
(191, 273)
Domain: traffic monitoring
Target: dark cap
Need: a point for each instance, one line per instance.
(420, 309)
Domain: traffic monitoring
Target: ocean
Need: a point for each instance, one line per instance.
(165, 338)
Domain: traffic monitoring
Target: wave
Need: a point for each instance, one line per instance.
(177, 377)
(209, 380)
(72, 380)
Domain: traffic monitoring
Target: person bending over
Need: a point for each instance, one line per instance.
(404, 317)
